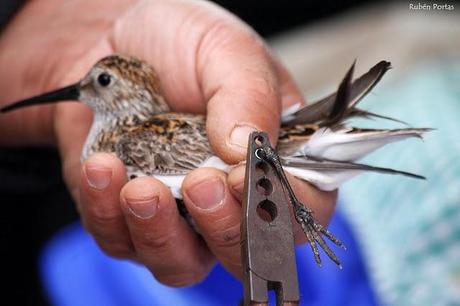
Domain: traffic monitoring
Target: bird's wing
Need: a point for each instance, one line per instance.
(168, 144)
(320, 110)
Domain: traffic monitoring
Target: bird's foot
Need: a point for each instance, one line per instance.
(313, 231)
(304, 216)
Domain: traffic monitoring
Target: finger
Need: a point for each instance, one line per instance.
(163, 240)
(290, 91)
(70, 142)
(217, 214)
(322, 203)
(246, 87)
(240, 83)
(102, 177)
(225, 65)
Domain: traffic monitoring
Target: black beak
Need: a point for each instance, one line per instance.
(71, 92)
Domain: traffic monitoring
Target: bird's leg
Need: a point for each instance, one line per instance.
(303, 215)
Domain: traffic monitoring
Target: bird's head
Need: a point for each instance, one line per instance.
(116, 86)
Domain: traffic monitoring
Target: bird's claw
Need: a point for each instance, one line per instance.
(313, 231)
(304, 216)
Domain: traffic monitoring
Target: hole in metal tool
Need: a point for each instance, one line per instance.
(267, 210)
(259, 140)
(264, 186)
(262, 168)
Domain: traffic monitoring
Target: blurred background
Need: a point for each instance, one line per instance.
(407, 231)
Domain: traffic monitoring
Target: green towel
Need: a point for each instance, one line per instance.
(410, 229)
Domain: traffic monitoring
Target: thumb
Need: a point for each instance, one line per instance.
(245, 88)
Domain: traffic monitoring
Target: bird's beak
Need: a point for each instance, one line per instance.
(67, 93)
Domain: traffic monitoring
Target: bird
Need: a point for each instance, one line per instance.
(133, 121)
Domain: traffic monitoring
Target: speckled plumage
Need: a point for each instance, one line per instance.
(167, 144)
(133, 121)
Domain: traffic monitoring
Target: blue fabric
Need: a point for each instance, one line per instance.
(75, 272)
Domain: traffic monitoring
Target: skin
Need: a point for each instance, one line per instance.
(207, 60)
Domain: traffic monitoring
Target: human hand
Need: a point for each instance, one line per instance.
(209, 62)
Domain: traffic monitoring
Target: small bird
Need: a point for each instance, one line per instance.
(133, 121)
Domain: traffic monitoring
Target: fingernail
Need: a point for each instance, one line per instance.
(207, 194)
(143, 208)
(240, 134)
(98, 177)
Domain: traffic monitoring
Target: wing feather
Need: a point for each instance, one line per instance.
(319, 110)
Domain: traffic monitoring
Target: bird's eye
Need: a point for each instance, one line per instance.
(104, 79)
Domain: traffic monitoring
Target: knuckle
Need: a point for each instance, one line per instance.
(100, 214)
(264, 97)
(116, 249)
(153, 241)
(261, 87)
(227, 238)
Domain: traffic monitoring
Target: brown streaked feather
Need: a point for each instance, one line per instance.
(319, 110)
(300, 132)
(168, 144)
(131, 68)
(291, 138)
(138, 86)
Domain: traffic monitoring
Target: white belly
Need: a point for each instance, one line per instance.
(174, 182)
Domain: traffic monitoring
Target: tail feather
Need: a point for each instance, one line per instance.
(364, 84)
(342, 100)
(320, 148)
(329, 175)
(357, 112)
(320, 110)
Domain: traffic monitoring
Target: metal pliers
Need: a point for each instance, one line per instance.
(268, 255)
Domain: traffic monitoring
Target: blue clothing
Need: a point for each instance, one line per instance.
(75, 272)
